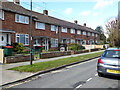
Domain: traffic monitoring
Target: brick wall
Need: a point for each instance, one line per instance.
(55, 54)
(10, 24)
(15, 59)
(58, 54)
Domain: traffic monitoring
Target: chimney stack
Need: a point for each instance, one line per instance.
(84, 24)
(16, 1)
(75, 21)
(45, 12)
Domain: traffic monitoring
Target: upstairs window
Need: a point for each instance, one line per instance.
(40, 25)
(64, 29)
(88, 33)
(92, 34)
(78, 32)
(84, 33)
(22, 19)
(72, 31)
(54, 28)
(2, 14)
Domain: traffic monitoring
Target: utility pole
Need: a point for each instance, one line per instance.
(31, 36)
(118, 22)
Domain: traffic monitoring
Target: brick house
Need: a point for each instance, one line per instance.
(47, 31)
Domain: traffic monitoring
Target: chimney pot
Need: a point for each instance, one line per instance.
(45, 12)
(84, 24)
(75, 21)
(16, 1)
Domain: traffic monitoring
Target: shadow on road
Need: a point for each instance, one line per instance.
(112, 77)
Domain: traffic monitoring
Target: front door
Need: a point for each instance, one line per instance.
(3, 40)
(45, 44)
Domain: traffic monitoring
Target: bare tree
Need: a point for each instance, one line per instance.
(112, 31)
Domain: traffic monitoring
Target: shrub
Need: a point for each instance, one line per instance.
(18, 47)
(110, 44)
(75, 47)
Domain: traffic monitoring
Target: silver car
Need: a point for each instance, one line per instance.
(109, 62)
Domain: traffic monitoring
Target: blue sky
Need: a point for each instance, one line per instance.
(92, 12)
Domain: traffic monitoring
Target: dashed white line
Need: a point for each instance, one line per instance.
(78, 86)
(89, 79)
(96, 74)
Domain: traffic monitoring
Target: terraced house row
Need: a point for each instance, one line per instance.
(48, 31)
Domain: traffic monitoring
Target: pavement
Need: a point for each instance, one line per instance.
(8, 76)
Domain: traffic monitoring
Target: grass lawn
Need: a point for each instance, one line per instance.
(52, 64)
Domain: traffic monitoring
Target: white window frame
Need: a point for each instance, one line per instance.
(84, 42)
(88, 33)
(72, 41)
(54, 28)
(68, 41)
(93, 34)
(54, 43)
(72, 31)
(84, 32)
(36, 42)
(40, 25)
(96, 41)
(18, 19)
(26, 37)
(64, 29)
(78, 41)
(79, 32)
(96, 35)
(2, 14)
(88, 42)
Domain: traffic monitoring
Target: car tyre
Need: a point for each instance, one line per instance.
(100, 74)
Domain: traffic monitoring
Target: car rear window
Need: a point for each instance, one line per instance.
(111, 54)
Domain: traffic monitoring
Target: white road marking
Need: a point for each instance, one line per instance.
(78, 86)
(81, 84)
(89, 79)
(57, 71)
(96, 74)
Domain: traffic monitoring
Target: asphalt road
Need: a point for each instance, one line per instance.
(82, 75)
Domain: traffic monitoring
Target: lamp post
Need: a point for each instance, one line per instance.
(31, 36)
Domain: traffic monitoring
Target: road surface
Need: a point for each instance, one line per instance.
(82, 75)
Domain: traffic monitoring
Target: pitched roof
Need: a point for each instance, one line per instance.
(16, 8)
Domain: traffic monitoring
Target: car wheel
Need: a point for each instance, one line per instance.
(100, 74)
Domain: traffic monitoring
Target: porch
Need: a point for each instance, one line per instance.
(5, 37)
(41, 41)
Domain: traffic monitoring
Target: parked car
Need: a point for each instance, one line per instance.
(109, 62)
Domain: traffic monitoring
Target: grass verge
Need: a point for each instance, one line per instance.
(52, 64)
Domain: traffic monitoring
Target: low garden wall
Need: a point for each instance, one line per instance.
(14, 59)
(82, 51)
(54, 54)
(96, 49)
(57, 54)
(22, 58)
